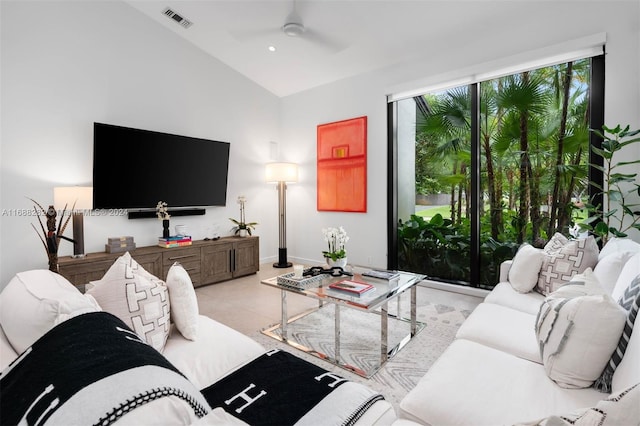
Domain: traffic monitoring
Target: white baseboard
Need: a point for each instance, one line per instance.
(454, 288)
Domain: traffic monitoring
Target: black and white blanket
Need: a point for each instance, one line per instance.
(281, 389)
(91, 369)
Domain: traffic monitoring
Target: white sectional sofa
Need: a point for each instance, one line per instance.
(37, 303)
(494, 374)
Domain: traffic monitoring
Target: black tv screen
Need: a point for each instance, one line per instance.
(134, 169)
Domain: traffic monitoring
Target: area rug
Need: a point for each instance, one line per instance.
(360, 343)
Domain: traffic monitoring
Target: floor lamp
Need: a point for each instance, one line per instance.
(82, 197)
(281, 174)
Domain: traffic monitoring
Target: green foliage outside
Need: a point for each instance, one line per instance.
(534, 138)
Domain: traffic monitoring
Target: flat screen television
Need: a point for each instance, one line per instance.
(134, 169)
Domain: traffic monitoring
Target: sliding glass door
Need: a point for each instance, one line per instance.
(477, 170)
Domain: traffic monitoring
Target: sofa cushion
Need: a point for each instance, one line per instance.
(137, 298)
(631, 302)
(503, 294)
(523, 275)
(563, 259)
(577, 337)
(628, 371)
(502, 328)
(473, 384)
(34, 302)
(219, 351)
(183, 301)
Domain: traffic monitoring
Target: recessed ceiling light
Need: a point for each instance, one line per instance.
(271, 48)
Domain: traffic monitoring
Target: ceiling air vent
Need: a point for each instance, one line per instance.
(178, 18)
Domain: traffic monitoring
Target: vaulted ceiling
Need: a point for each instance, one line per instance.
(342, 38)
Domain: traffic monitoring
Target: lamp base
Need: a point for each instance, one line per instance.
(282, 259)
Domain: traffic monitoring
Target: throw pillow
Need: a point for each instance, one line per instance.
(577, 336)
(584, 284)
(563, 259)
(617, 245)
(137, 298)
(34, 302)
(619, 409)
(608, 268)
(184, 304)
(523, 274)
(630, 270)
(630, 301)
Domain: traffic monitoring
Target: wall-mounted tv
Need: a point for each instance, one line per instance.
(134, 169)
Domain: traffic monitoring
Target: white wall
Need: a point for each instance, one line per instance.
(68, 64)
(500, 44)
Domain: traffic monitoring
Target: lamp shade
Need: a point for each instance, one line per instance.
(82, 196)
(282, 172)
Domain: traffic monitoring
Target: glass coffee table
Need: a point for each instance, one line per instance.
(375, 301)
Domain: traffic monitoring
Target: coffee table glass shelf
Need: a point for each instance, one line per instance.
(375, 302)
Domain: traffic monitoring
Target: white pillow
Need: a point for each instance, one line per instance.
(7, 353)
(608, 268)
(523, 274)
(630, 270)
(584, 284)
(137, 298)
(577, 336)
(184, 303)
(563, 259)
(34, 302)
(621, 408)
(615, 245)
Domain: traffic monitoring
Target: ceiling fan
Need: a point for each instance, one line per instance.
(293, 27)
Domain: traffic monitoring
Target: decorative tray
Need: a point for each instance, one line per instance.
(288, 280)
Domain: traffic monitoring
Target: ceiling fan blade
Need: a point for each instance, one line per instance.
(323, 40)
(249, 35)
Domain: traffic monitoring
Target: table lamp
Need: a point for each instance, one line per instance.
(82, 196)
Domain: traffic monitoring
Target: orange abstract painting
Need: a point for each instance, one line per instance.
(342, 166)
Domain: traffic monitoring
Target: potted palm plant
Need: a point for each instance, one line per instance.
(242, 228)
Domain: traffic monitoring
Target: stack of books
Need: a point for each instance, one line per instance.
(119, 244)
(176, 241)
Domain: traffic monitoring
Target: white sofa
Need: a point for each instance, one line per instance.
(493, 373)
(39, 300)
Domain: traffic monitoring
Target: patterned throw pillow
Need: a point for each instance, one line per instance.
(630, 301)
(137, 298)
(577, 336)
(563, 259)
(619, 409)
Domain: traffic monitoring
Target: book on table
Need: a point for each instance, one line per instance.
(355, 288)
(381, 274)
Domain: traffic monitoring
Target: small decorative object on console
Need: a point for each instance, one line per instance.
(353, 287)
(176, 241)
(162, 211)
(242, 228)
(119, 244)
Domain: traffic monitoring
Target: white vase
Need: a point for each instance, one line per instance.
(242, 232)
(338, 262)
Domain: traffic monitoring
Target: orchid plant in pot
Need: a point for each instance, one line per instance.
(336, 238)
(242, 228)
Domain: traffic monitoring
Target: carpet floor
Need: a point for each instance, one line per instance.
(360, 343)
